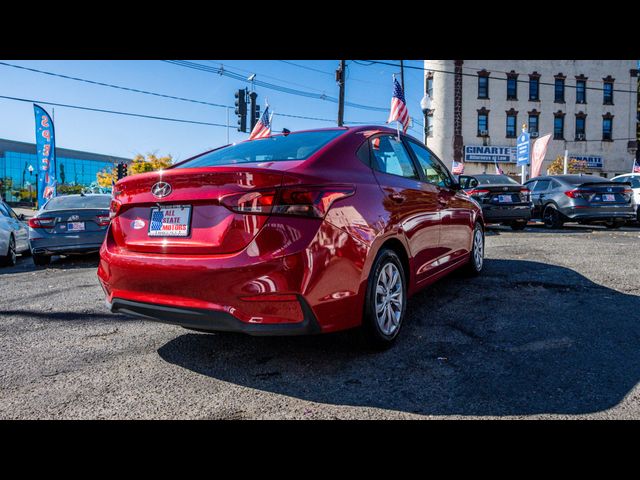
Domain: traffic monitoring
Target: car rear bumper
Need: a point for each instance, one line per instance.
(494, 213)
(65, 249)
(214, 321)
(625, 212)
(257, 290)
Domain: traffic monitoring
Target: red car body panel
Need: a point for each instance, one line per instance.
(270, 269)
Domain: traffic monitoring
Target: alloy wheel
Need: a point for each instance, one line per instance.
(478, 249)
(389, 298)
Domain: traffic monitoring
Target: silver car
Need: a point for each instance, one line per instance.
(67, 225)
(14, 235)
(585, 199)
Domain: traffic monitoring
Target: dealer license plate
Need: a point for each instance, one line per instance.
(170, 221)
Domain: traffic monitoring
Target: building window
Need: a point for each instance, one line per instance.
(581, 120)
(534, 87)
(512, 86)
(607, 127)
(581, 89)
(607, 91)
(559, 88)
(534, 117)
(483, 122)
(512, 121)
(558, 126)
(483, 84)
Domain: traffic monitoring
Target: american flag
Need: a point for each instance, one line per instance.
(499, 170)
(457, 168)
(263, 127)
(399, 111)
(156, 220)
(636, 167)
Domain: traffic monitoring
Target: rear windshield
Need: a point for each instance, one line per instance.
(71, 202)
(495, 179)
(295, 146)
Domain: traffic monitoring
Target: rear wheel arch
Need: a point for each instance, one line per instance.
(399, 249)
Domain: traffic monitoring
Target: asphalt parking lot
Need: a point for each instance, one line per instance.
(550, 330)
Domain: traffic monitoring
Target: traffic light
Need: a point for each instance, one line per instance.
(241, 109)
(253, 118)
(122, 170)
(257, 117)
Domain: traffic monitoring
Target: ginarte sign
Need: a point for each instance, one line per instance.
(492, 154)
(592, 161)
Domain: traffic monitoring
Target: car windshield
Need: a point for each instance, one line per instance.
(495, 179)
(78, 201)
(295, 146)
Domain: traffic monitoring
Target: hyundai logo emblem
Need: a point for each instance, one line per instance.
(161, 189)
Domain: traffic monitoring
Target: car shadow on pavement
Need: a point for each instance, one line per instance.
(25, 263)
(569, 229)
(523, 338)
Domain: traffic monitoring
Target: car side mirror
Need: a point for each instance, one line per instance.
(455, 186)
(21, 217)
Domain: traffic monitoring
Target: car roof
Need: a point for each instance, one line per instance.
(571, 178)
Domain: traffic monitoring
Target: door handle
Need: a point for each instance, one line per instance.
(396, 197)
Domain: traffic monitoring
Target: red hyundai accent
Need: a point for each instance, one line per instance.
(309, 232)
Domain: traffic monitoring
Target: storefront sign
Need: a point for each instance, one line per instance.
(493, 154)
(592, 161)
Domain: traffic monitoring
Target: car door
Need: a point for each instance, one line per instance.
(410, 204)
(21, 231)
(538, 196)
(455, 215)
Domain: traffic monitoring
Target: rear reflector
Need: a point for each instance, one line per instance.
(306, 201)
(42, 222)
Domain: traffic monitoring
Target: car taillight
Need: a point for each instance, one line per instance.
(478, 192)
(104, 219)
(42, 222)
(577, 193)
(114, 209)
(307, 201)
(525, 194)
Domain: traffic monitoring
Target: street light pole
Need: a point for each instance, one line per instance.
(340, 79)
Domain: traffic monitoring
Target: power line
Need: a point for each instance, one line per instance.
(271, 86)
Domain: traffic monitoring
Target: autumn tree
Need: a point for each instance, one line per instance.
(573, 166)
(140, 164)
(151, 163)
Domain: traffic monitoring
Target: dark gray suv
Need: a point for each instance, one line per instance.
(585, 199)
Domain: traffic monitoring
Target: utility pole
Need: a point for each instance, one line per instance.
(340, 80)
(565, 168)
(402, 76)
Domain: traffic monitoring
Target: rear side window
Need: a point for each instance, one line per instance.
(295, 146)
(555, 184)
(390, 156)
(541, 186)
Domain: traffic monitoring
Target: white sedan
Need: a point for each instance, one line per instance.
(14, 235)
(634, 180)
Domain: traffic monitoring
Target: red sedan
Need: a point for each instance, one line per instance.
(307, 232)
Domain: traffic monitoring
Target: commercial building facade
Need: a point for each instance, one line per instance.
(478, 108)
(73, 168)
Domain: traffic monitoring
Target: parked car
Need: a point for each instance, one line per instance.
(585, 199)
(301, 233)
(503, 200)
(14, 235)
(634, 180)
(69, 225)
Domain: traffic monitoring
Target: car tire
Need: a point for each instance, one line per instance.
(41, 260)
(385, 301)
(10, 258)
(518, 225)
(551, 217)
(613, 225)
(476, 257)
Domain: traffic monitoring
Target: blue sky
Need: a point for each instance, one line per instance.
(126, 136)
